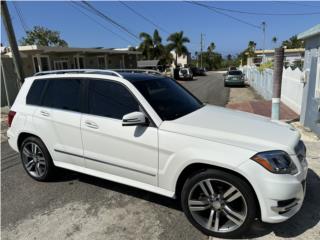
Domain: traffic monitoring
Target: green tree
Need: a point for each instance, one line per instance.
(211, 47)
(274, 40)
(151, 46)
(251, 48)
(44, 37)
(293, 42)
(177, 43)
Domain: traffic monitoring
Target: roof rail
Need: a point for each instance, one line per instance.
(98, 71)
(147, 71)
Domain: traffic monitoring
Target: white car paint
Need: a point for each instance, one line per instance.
(154, 157)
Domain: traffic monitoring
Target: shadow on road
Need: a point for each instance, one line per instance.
(305, 219)
(66, 175)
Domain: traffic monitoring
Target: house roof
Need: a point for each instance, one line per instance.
(315, 30)
(47, 49)
(294, 50)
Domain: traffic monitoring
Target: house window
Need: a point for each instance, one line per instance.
(44, 60)
(78, 62)
(101, 62)
(81, 62)
(36, 64)
(61, 64)
(41, 63)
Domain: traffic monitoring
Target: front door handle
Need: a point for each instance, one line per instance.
(91, 124)
(44, 113)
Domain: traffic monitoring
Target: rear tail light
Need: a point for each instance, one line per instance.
(11, 115)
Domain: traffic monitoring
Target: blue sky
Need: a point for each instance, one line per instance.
(229, 35)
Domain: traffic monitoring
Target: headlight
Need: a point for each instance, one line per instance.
(276, 162)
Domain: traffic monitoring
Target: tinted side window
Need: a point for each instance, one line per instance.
(109, 99)
(63, 94)
(35, 92)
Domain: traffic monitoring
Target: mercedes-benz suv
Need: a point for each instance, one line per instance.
(226, 167)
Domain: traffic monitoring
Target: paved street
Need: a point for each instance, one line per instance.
(209, 89)
(76, 206)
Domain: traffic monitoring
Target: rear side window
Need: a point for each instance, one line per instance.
(63, 94)
(34, 94)
(110, 99)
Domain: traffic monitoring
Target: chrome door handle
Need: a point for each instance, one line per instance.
(91, 124)
(44, 113)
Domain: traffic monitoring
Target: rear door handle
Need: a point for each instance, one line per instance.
(91, 124)
(44, 113)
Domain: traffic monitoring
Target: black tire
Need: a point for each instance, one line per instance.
(225, 85)
(240, 184)
(49, 170)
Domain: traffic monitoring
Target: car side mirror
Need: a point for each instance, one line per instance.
(134, 119)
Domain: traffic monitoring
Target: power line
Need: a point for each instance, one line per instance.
(143, 17)
(107, 18)
(264, 13)
(19, 13)
(75, 6)
(225, 14)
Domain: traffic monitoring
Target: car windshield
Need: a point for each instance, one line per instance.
(235, 73)
(168, 98)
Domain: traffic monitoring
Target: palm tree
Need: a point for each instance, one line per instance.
(176, 42)
(251, 48)
(151, 46)
(211, 47)
(146, 44)
(274, 40)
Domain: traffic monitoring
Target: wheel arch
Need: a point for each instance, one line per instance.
(199, 167)
(22, 136)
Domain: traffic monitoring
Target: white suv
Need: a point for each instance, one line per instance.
(226, 167)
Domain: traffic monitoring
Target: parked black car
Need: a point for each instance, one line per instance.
(198, 71)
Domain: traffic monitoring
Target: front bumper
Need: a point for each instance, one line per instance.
(234, 82)
(280, 196)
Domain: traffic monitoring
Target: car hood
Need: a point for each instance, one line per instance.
(235, 128)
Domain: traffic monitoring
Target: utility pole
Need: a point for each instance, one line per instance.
(277, 80)
(201, 48)
(12, 42)
(264, 38)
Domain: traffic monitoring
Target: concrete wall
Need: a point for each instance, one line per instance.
(9, 84)
(292, 87)
(310, 114)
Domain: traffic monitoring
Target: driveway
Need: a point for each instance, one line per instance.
(76, 206)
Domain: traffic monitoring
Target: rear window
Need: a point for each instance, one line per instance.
(34, 94)
(63, 94)
(235, 73)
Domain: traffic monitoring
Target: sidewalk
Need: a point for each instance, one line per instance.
(245, 99)
(4, 126)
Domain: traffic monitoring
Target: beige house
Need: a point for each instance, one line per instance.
(39, 58)
(290, 56)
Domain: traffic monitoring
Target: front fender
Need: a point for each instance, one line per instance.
(175, 157)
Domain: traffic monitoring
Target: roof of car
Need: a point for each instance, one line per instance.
(134, 77)
(131, 75)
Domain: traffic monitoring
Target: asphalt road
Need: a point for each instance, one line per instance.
(76, 206)
(209, 89)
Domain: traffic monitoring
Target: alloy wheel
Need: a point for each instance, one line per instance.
(34, 160)
(217, 205)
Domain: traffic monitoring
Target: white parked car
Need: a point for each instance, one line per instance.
(226, 167)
